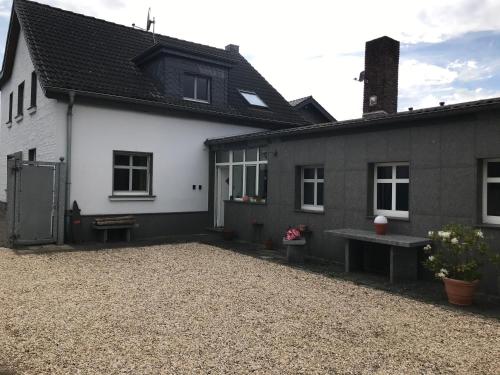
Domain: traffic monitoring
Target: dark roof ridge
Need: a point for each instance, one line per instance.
(121, 25)
(294, 102)
(362, 121)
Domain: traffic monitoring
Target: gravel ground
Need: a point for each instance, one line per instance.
(198, 309)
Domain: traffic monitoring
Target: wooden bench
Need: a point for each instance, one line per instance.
(105, 224)
(403, 251)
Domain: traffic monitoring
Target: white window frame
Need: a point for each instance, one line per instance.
(209, 84)
(263, 103)
(255, 163)
(315, 181)
(393, 181)
(130, 168)
(488, 219)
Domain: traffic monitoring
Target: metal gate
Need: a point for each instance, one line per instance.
(35, 202)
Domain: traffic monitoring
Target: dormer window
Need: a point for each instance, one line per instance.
(253, 99)
(196, 88)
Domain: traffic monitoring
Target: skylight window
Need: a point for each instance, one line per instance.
(253, 99)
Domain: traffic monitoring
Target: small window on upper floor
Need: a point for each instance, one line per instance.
(253, 99)
(196, 88)
(11, 100)
(32, 154)
(20, 99)
(33, 90)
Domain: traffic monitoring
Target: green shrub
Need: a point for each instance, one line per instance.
(458, 252)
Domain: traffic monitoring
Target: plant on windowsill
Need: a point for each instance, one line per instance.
(458, 254)
(228, 234)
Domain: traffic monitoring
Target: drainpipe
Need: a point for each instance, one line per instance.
(69, 131)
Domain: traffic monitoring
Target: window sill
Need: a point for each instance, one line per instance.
(196, 100)
(249, 203)
(32, 109)
(304, 211)
(487, 225)
(392, 218)
(18, 118)
(119, 198)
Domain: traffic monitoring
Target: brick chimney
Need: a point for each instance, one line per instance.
(381, 76)
(232, 48)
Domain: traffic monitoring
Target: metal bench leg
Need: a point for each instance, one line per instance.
(105, 235)
(128, 235)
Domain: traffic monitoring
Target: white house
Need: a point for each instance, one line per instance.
(129, 113)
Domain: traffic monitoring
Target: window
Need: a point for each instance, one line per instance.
(247, 172)
(196, 88)
(491, 191)
(32, 154)
(252, 98)
(312, 188)
(391, 189)
(11, 99)
(20, 99)
(132, 173)
(33, 90)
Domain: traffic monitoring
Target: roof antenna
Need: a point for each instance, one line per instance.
(149, 22)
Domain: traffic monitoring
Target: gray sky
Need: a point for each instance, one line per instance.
(450, 49)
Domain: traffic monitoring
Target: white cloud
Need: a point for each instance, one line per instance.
(311, 48)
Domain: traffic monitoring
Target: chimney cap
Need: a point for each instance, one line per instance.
(233, 48)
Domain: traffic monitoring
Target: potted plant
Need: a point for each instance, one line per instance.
(268, 244)
(458, 254)
(381, 224)
(228, 234)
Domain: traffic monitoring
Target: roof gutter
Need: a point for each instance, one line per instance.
(356, 124)
(69, 135)
(124, 99)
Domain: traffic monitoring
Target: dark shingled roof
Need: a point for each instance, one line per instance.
(296, 102)
(370, 123)
(95, 58)
(309, 100)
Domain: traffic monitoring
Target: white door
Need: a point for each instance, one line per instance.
(221, 194)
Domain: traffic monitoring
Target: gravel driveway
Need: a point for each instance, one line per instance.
(198, 309)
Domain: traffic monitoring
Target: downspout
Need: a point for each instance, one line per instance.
(69, 133)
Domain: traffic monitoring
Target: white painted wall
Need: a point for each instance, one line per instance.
(180, 158)
(44, 130)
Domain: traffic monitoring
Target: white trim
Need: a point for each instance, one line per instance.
(244, 164)
(488, 219)
(195, 99)
(393, 181)
(131, 167)
(315, 181)
(260, 102)
(116, 198)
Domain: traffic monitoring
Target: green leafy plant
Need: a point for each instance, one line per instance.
(458, 252)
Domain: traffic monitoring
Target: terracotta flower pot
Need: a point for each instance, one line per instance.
(268, 244)
(460, 292)
(228, 234)
(381, 223)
